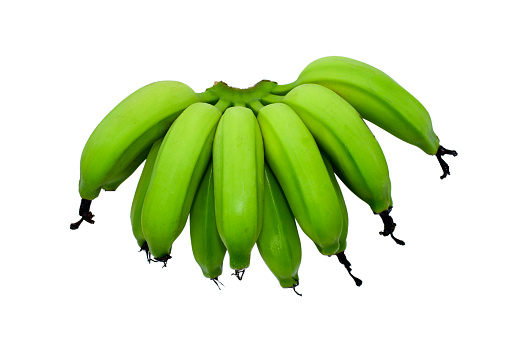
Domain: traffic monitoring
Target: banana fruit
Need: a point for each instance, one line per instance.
(340, 254)
(279, 242)
(238, 169)
(295, 159)
(128, 130)
(182, 159)
(122, 140)
(341, 133)
(139, 197)
(208, 248)
(378, 98)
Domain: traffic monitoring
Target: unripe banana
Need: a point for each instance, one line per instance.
(378, 98)
(295, 160)
(128, 130)
(341, 200)
(208, 248)
(139, 196)
(182, 159)
(279, 242)
(238, 184)
(342, 240)
(344, 136)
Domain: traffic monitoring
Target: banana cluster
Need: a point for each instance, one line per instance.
(247, 165)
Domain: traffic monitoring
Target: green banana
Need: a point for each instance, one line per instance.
(353, 150)
(182, 159)
(279, 242)
(208, 248)
(115, 148)
(378, 98)
(344, 136)
(238, 184)
(295, 159)
(139, 196)
(340, 254)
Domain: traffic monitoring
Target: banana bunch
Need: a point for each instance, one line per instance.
(247, 165)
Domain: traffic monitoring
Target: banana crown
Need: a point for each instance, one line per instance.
(241, 96)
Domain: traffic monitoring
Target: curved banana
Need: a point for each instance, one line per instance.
(295, 159)
(208, 248)
(238, 184)
(378, 98)
(115, 148)
(182, 159)
(342, 240)
(139, 196)
(279, 242)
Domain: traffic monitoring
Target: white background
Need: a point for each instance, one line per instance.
(65, 64)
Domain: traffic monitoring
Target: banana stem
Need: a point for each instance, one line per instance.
(272, 99)
(239, 103)
(223, 104)
(255, 105)
(207, 96)
(283, 89)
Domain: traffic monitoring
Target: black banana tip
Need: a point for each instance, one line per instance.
(295, 285)
(445, 167)
(344, 261)
(144, 248)
(84, 213)
(239, 273)
(217, 282)
(389, 226)
(163, 259)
